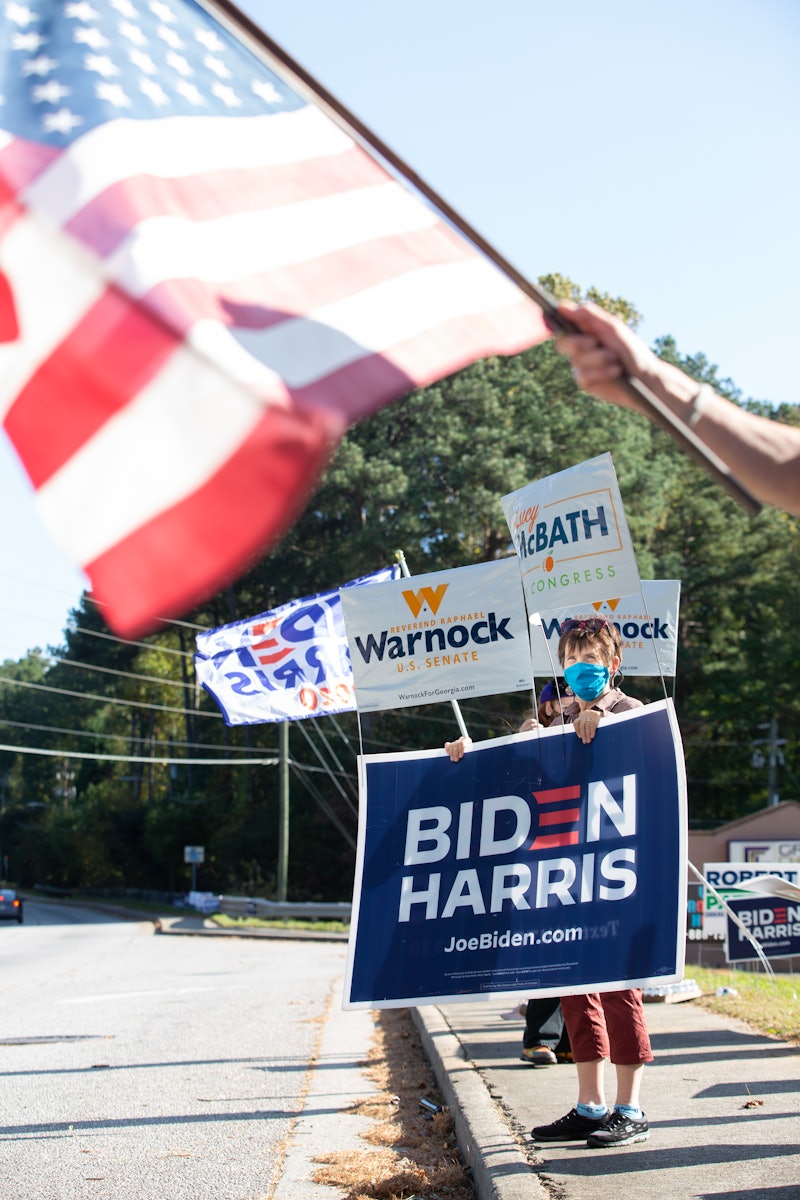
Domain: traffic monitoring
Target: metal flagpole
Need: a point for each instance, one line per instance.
(401, 558)
(302, 81)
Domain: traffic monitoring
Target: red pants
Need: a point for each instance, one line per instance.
(607, 1025)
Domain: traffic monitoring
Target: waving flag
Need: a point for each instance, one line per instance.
(204, 281)
(286, 664)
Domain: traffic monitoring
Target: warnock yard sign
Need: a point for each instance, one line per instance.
(647, 623)
(438, 637)
(571, 536)
(536, 864)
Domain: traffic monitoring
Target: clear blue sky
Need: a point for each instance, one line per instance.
(649, 149)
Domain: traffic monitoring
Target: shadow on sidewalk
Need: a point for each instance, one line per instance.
(583, 1162)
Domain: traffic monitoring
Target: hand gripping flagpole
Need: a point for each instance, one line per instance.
(401, 558)
(303, 82)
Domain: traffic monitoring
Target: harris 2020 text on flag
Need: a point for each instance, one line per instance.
(285, 664)
(204, 280)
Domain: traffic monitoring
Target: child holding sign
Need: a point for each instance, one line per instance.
(601, 1025)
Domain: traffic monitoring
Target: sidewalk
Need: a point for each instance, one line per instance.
(723, 1105)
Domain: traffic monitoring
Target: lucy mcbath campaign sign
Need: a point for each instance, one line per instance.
(536, 864)
(571, 537)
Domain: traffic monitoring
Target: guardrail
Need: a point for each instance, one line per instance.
(246, 906)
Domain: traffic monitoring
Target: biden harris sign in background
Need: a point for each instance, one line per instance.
(536, 864)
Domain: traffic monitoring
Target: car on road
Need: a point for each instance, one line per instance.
(10, 905)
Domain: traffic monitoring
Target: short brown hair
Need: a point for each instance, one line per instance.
(605, 637)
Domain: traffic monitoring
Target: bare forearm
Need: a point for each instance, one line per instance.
(764, 455)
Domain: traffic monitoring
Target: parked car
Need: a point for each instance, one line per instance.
(10, 905)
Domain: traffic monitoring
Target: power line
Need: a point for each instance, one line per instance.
(43, 687)
(117, 737)
(326, 808)
(110, 637)
(328, 771)
(145, 762)
(162, 620)
(300, 768)
(73, 662)
(89, 598)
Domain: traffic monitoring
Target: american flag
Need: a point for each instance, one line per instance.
(204, 281)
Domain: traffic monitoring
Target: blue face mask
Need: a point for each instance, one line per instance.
(587, 680)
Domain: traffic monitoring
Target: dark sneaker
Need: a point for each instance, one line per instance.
(619, 1130)
(571, 1128)
(539, 1056)
(564, 1056)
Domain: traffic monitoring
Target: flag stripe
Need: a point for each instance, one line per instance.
(241, 244)
(109, 355)
(394, 311)
(185, 146)
(39, 266)
(106, 372)
(112, 353)
(363, 386)
(105, 220)
(259, 301)
(139, 437)
(182, 404)
(270, 464)
(21, 161)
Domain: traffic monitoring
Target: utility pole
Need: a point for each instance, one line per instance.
(283, 828)
(772, 760)
(65, 782)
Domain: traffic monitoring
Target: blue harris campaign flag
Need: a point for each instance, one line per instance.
(536, 864)
(282, 665)
(203, 280)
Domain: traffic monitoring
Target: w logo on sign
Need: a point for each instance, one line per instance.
(426, 595)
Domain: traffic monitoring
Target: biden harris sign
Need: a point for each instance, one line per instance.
(536, 864)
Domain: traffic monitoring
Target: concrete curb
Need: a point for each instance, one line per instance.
(499, 1166)
(188, 924)
(170, 925)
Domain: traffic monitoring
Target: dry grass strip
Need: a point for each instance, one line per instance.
(413, 1153)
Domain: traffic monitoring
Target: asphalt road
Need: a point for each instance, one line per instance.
(137, 1067)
